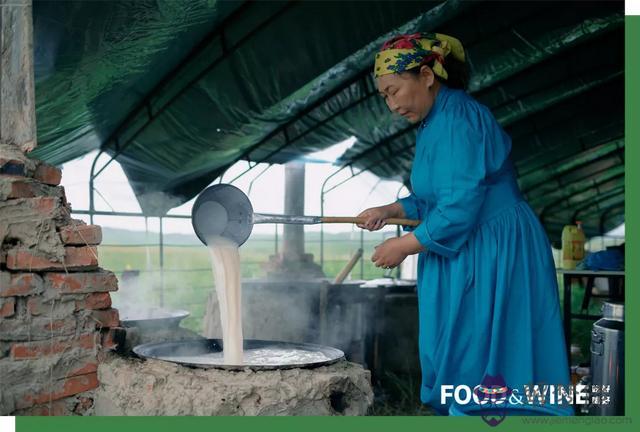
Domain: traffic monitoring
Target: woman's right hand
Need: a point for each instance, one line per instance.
(375, 218)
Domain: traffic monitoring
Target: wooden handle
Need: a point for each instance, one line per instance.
(360, 220)
(347, 269)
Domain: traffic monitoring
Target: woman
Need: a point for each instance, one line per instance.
(487, 290)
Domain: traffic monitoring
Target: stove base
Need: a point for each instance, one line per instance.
(130, 386)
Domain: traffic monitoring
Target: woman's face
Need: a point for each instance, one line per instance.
(409, 95)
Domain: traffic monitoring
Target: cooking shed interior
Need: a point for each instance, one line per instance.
(178, 92)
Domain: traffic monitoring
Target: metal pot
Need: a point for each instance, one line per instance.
(607, 360)
(155, 318)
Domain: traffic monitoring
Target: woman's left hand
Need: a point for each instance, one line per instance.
(389, 254)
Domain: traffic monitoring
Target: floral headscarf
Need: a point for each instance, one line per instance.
(407, 51)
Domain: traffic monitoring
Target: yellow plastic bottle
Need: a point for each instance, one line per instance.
(573, 240)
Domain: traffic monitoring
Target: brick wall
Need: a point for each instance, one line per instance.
(56, 319)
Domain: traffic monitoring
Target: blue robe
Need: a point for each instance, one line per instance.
(487, 288)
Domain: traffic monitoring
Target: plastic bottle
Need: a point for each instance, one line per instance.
(573, 240)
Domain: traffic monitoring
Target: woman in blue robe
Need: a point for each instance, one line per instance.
(487, 288)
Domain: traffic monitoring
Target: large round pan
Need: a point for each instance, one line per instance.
(268, 355)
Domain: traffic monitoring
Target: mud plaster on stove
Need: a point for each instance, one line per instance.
(130, 386)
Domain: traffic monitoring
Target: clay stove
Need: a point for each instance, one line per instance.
(130, 385)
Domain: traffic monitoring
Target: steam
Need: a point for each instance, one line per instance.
(158, 203)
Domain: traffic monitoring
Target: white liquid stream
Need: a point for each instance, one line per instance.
(225, 263)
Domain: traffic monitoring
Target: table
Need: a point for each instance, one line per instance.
(616, 292)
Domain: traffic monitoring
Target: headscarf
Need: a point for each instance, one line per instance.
(407, 51)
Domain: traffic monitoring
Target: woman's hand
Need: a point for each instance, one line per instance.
(375, 217)
(389, 254)
(393, 251)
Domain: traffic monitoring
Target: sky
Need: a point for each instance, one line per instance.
(267, 193)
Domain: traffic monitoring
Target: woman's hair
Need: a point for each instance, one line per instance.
(458, 72)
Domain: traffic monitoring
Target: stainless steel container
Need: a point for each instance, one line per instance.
(607, 361)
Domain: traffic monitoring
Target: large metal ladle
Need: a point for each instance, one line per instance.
(224, 210)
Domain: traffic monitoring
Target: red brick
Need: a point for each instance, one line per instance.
(48, 174)
(63, 388)
(55, 408)
(104, 318)
(46, 206)
(81, 257)
(33, 209)
(35, 375)
(89, 367)
(76, 258)
(58, 325)
(51, 307)
(7, 308)
(22, 187)
(36, 329)
(76, 404)
(80, 283)
(31, 350)
(80, 234)
(20, 284)
(62, 306)
(35, 306)
(94, 301)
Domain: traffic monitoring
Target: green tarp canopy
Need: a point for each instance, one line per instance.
(179, 91)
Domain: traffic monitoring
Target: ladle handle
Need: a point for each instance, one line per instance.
(360, 220)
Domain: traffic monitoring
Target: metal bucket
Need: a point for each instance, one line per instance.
(607, 360)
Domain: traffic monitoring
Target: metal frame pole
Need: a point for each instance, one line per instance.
(322, 194)
(362, 257)
(161, 264)
(129, 214)
(256, 178)
(92, 177)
